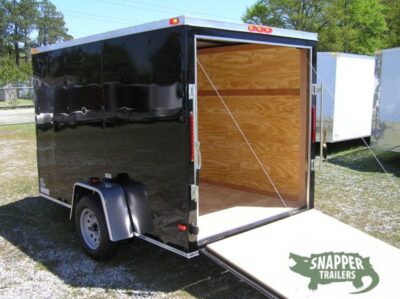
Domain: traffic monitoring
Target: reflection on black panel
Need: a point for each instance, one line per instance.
(132, 102)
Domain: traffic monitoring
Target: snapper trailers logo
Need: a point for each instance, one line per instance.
(331, 267)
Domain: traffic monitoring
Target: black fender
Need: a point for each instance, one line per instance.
(113, 201)
(138, 204)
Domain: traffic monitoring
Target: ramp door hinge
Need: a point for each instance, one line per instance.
(192, 91)
(194, 190)
(316, 89)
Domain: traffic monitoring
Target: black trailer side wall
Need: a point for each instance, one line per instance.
(116, 106)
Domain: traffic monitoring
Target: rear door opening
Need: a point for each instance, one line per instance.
(253, 108)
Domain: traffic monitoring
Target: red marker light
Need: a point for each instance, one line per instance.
(94, 181)
(313, 124)
(174, 21)
(268, 29)
(260, 29)
(191, 120)
(182, 227)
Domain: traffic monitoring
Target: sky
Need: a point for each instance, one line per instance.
(87, 17)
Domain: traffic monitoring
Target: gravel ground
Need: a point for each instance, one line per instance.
(41, 258)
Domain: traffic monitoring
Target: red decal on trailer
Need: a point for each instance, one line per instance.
(313, 124)
(191, 136)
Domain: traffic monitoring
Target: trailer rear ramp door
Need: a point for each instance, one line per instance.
(279, 259)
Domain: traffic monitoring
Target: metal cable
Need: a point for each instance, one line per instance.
(244, 137)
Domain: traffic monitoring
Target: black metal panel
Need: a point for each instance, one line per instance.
(44, 100)
(75, 74)
(145, 123)
(117, 106)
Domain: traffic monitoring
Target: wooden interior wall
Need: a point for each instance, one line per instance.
(261, 86)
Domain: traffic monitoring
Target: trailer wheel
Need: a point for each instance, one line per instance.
(91, 227)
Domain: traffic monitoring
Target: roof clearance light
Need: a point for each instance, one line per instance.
(260, 29)
(174, 21)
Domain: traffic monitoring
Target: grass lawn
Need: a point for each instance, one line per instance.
(353, 188)
(20, 102)
(40, 255)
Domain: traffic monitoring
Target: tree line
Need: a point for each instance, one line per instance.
(351, 26)
(25, 24)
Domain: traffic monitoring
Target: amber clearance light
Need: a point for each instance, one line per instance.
(174, 21)
(260, 29)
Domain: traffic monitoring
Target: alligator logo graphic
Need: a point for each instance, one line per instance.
(331, 267)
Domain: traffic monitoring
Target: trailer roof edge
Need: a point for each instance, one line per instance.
(244, 27)
(388, 50)
(343, 54)
(182, 20)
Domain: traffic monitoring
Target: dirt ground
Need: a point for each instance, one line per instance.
(40, 256)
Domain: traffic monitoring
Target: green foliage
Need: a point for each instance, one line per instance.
(11, 73)
(354, 26)
(8, 70)
(392, 15)
(290, 14)
(3, 27)
(27, 8)
(20, 21)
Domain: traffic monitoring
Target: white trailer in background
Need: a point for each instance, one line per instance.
(386, 117)
(348, 90)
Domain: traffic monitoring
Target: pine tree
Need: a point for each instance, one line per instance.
(50, 24)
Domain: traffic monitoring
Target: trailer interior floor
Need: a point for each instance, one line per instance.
(223, 209)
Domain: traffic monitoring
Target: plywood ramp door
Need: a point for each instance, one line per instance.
(265, 88)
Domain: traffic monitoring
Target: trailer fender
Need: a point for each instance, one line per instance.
(136, 198)
(114, 205)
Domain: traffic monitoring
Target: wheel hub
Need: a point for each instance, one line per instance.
(90, 229)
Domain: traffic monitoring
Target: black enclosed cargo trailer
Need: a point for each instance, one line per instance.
(180, 132)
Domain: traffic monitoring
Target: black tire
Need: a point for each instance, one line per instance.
(104, 249)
